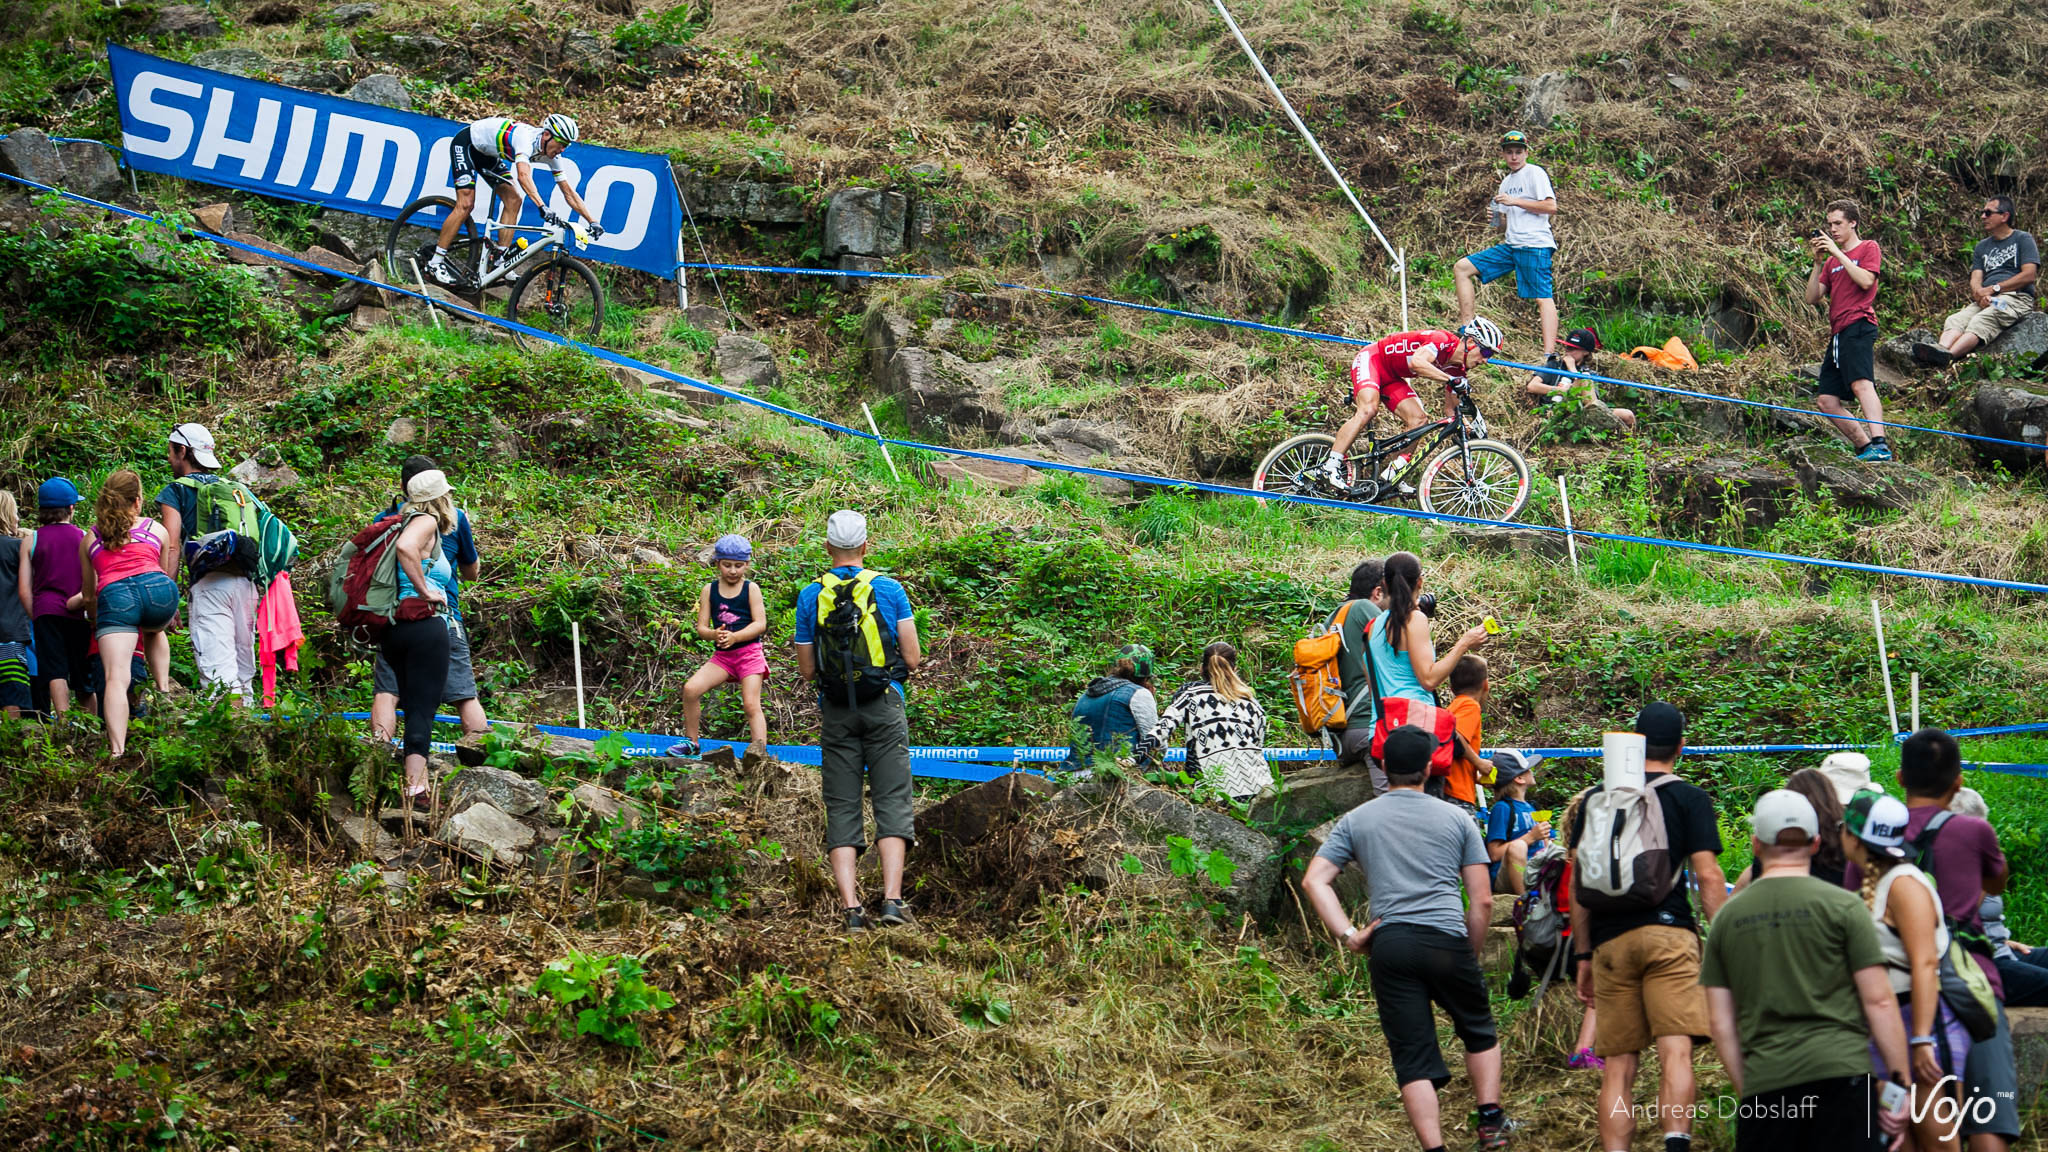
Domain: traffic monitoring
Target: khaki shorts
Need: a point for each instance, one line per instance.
(1646, 984)
(1986, 323)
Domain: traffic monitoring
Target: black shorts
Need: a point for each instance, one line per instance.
(1413, 967)
(1836, 1113)
(64, 652)
(1851, 355)
(464, 165)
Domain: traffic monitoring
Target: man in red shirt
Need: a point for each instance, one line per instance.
(1845, 270)
(1382, 372)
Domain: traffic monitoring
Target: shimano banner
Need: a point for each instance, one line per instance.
(215, 128)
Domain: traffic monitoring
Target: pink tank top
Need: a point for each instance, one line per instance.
(144, 552)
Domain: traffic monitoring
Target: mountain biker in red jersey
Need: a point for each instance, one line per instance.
(1383, 370)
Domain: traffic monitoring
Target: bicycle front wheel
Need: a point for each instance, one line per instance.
(1289, 468)
(561, 296)
(412, 238)
(1486, 480)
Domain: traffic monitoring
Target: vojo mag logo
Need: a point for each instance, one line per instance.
(316, 148)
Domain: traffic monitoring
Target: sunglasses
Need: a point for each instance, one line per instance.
(1989, 212)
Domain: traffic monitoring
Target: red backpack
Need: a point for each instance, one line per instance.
(1394, 711)
(362, 587)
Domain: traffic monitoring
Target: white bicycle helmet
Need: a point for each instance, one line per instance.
(561, 128)
(1485, 333)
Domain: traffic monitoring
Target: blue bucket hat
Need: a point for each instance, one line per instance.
(56, 492)
(732, 546)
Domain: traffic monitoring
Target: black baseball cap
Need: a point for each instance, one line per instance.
(1662, 725)
(1584, 339)
(1514, 139)
(1408, 750)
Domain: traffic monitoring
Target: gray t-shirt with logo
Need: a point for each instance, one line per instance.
(1411, 846)
(2001, 260)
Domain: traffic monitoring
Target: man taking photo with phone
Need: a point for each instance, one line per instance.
(1845, 270)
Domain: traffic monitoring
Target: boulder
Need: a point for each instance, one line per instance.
(1156, 814)
(327, 259)
(2030, 1053)
(2027, 337)
(648, 557)
(1312, 796)
(509, 792)
(314, 75)
(349, 15)
(754, 201)
(865, 222)
(216, 218)
(1081, 437)
(746, 363)
(966, 818)
(85, 167)
(938, 390)
(1898, 350)
(1551, 95)
(368, 836)
(368, 317)
(263, 479)
(355, 236)
(980, 473)
(28, 153)
(484, 830)
(586, 52)
(402, 431)
(244, 62)
(89, 168)
(604, 806)
(418, 53)
(256, 259)
(1510, 541)
(1855, 485)
(2010, 413)
(191, 21)
(382, 88)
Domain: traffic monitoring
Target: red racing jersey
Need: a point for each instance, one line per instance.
(1386, 360)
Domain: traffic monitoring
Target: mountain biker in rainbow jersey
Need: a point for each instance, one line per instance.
(503, 151)
(1382, 372)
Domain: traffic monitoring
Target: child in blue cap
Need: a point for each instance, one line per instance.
(731, 615)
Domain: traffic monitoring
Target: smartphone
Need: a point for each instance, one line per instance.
(1891, 1096)
(1491, 625)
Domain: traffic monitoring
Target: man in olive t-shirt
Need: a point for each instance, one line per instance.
(1796, 989)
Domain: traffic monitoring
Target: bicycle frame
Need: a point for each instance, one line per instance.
(1370, 462)
(552, 238)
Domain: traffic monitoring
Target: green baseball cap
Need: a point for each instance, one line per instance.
(1514, 139)
(1140, 658)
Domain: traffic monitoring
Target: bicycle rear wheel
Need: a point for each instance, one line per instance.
(560, 295)
(1495, 486)
(1289, 468)
(412, 239)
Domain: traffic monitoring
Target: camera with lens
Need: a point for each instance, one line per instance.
(1818, 234)
(1426, 604)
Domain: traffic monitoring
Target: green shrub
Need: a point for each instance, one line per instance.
(606, 991)
(699, 861)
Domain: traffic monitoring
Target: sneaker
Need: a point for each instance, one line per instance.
(1584, 1059)
(896, 914)
(686, 748)
(1867, 453)
(1881, 453)
(856, 920)
(1933, 355)
(1493, 1137)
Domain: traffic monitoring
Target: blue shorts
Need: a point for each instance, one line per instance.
(1531, 267)
(141, 603)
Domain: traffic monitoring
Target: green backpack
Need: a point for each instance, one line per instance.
(268, 544)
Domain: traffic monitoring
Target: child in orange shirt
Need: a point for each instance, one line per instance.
(1468, 688)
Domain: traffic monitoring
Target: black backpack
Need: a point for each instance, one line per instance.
(857, 658)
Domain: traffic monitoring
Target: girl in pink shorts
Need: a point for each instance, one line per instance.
(730, 615)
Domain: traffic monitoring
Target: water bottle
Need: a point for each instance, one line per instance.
(1399, 465)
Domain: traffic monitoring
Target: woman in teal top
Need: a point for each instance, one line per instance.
(1405, 664)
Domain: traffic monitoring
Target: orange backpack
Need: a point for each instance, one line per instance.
(1318, 684)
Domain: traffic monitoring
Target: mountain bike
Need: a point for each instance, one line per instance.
(549, 289)
(1470, 476)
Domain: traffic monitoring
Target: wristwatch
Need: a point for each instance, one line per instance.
(1349, 933)
(1914, 1040)
(1585, 957)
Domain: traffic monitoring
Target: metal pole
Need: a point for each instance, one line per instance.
(873, 427)
(1571, 541)
(1402, 260)
(1916, 701)
(1306, 135)
(576, 643)
(1884, 663)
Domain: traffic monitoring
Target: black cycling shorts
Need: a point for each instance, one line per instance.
(464, 165)
(1851, 356)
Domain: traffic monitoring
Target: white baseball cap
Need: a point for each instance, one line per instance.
(429, 485)
(1849, 772)
(1780, 810)
(846, 529)
(199, 440)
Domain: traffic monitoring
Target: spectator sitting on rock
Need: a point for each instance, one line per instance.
(2003, 267)
(1117, 711)
(1574, 354)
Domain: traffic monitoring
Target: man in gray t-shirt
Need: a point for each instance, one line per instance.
(1424, 939)
(2003, 266)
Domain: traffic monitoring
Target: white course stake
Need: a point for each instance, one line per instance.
(421, 282)
(876, 429)
(1916, 701)
(1571, 541)
(1884, 663)
(1401, 258)
(576, 643)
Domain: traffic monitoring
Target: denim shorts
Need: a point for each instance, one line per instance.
(142, 603)
(1531, 267)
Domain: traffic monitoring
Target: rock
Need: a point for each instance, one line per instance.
(2027, 337)
(276, 12)
(1678, 82)
(327, 259)
(605, 806)
(509, 792)
(257, 259)
(651, 558)
(749, 200)
(263, 479)
(705, 318)
(349, 15)
(1510, 541)
(852, 263)
(369, 316)
(2010, 413)
(191, 21)
(1731, 326)
(939, 390)
(1551, 95)
(1090, 435)
(418, 53)
(1350, 884)
(966, 818)
(1855, 485)
(1313, 796)
(366, 834)
(358, 237)
(722, 760)
(382, 88)
(1898, 350)
(744, 362)
(236, 62)
(992, 474)
(865, 222)
(401, 432)
(216, 218)
(2030, 1052)
(586, 52)
(1157, 814)
(89, 169)
(30, 154)
(313, 75)
(484, 830)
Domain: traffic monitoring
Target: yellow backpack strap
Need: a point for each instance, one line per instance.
(870, 619)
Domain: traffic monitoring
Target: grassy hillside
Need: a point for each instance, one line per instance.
(189, 979)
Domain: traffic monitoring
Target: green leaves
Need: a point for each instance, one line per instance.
(611, 990)
(1185, 861)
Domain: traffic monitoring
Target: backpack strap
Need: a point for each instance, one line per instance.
(1923, 844)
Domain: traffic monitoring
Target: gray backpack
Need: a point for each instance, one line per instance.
(1625, 862)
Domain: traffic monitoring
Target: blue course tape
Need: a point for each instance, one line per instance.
(610, 356)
